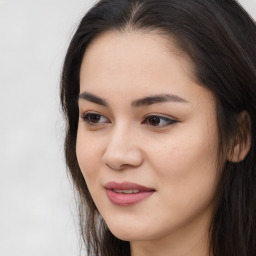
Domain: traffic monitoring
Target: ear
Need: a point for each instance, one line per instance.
(243, 138)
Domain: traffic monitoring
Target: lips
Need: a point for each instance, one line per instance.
(127, 193)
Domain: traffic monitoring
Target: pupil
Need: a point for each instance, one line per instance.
(94, 118)
(154, 121)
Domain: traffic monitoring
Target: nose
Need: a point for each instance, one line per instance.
(122, 150)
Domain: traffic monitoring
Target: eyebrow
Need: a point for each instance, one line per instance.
(160, 98)
(146, 101)
(93, 98)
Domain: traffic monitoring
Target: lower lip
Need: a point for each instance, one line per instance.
(127, 199)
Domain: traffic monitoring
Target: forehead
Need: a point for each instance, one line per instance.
(136, 61)
(131, 51)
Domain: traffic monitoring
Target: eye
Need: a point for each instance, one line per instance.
(94, 118)
(158, 121)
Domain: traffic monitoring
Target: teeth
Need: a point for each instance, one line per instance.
(126, 191)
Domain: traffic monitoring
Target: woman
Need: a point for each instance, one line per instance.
(160, 101)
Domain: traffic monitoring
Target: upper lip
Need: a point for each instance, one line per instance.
(126, 185)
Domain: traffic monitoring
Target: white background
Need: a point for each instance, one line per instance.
(37, 212)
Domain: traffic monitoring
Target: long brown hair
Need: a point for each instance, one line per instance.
(219, 37)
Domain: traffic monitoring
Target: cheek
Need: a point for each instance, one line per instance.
(89, 159)
(186, 168)
(88, 154)
(186, 180)
(178, 153)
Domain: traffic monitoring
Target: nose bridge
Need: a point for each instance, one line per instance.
(122, 148)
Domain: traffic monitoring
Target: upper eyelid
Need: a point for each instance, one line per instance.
(93, 113)
(90, 112)
(145, 116)
(168, 119)
(161, 116)
(83, 117)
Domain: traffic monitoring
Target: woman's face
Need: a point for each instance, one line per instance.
(147, 141)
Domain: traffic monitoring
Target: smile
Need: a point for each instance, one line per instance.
(127, 193)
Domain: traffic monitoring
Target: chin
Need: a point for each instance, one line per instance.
(128, 235)
(129, 232)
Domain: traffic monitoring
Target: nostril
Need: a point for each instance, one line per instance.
(114, 167)
(118, 160)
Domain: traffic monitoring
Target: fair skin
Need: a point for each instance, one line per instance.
(174, 152)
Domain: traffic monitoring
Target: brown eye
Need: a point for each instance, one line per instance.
(155, 121)
(158, 121)
(94, 118)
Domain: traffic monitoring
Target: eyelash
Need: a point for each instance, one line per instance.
(168, 121)
(88, 115)
(87, 118)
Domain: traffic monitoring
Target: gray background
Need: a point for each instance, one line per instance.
(37, 209)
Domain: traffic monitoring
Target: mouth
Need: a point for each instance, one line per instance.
(127, 193)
